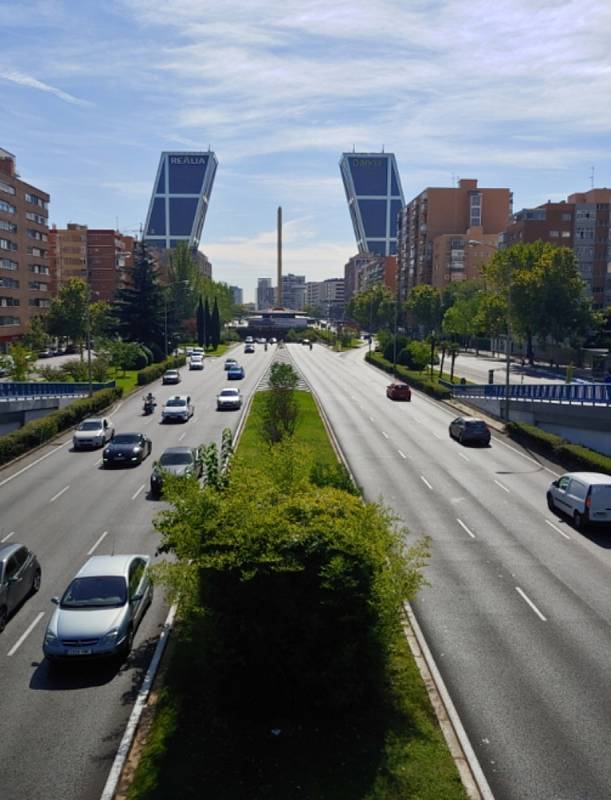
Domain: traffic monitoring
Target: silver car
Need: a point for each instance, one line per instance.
(229, 399)
(93, 432)
(19, 578)
(100, 610)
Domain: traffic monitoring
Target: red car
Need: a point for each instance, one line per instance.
(399, 391)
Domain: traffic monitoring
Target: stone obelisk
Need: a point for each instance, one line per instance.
(279, 290)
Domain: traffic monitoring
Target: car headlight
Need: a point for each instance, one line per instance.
(50, 637)
(110, 637)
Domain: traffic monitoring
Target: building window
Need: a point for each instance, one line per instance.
(554, 234)
(4, 321)
(565, 217)
(6, 187)
(9, 283)
(38, 286)
(7, 263)
(566, 234)
(36, 251)
(6, 244)
(475, 209)
(7, 207)
(34, 234)
(35, 218)
(35, 200)
(7, 226)
(39, 303)
(39, 269)
(5, 302)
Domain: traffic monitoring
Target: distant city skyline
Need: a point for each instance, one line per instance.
(93, 93)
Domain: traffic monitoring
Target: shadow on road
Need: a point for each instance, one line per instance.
(65, 677)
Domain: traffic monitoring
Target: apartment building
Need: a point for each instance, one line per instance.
(582, 222)
(237, 295)
(266, 294)
(326, 298)
(67, 254)
(293, 291)
(24, 261)
(436, 227)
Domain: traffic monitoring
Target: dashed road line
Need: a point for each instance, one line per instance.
(384, 434)
(463, 456)
(23, 636)
(371, 419)
(562, 533)
(464, 527)
(401, 453)
(138, 492)
(426, 483)
(99, 541)
(7, 537)
(59, 494)
(33, 464)
(436, 435)
(98, 462)
(504, 488)
(182, 436)
(530, 603)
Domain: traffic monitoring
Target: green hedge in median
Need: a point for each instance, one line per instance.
(570, 456)
(41, 430)
(150, 374)
(415, 379)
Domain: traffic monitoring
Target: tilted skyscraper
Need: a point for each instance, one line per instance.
(375, 197)
(180, 199)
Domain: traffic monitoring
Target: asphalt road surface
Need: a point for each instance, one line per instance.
(59, 730)
(475, 369)
(517, 610)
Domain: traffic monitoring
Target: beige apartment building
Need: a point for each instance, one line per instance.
(24, 262)
(446, 234)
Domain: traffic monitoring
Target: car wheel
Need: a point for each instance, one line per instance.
(578, 520)
(36, 582)
(550, 502)
(3, 618)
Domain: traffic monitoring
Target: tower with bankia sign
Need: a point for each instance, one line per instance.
(180, 199)
(375, 198)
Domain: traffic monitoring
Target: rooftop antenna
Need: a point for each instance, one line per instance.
(117, 223)
(453, 179)
(382, 148)
(591, 177)
(354, 148)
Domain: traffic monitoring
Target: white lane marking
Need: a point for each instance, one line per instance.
(562, 533)
(426, 483)
(462, 455)
(59, 494)
(436, 435)
(99, 541)
(504, 488)
(194, 419)
(530, 603)
(23, 637)
(138, 492)
(98, 462)
(464, 527)
(371, 419)
(118, 407)
(8, 536)
(401, 453)
(534, 461)
(181, 437)
(33, 464)
(384, 434)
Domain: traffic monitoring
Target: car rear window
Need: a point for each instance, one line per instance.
(477, 425)
(602, 493)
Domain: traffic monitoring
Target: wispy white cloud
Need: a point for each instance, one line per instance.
(30, 82)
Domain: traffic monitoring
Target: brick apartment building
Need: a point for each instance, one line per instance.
(582, 222)
(435, 229)
(24, 262)
(96, 255)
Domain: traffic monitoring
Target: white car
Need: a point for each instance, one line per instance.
(196, 362)
(583, 496)
(177, 409)
(228, 399)
(93, 432)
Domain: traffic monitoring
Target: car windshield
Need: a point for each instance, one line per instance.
(126, 438)
(477, 425)
(104, 591)
(175, 459)
(171, 374)
(90, 426)
(229, 393)
(176, 402)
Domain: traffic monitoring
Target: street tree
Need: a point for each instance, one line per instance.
(423, 307)
(215, 322)
(373, 309)
(201, 323)
(139, 306)
(36, 337)
(67, 316)
(207, 324)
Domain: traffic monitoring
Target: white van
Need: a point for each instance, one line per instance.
(584, 496)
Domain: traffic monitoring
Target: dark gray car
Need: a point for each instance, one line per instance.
(20, 575)
(175, 461)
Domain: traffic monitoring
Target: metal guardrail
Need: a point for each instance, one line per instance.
(596, 394)
(22, 390)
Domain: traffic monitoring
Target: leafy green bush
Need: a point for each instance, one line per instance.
(571, 456)
(40, 430)
(155, 371)
(388, 348)
(530, 434)
(335, 476)
(579, 457)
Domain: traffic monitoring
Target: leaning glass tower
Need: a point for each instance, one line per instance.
(374, 194)
(180, 198)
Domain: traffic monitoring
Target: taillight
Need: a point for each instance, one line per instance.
(589, 500)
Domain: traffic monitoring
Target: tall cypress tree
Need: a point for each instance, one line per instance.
(139, 306)
(201, 323)
(215, 333)
(207, 324)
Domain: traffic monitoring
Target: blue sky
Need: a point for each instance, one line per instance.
(515, 93)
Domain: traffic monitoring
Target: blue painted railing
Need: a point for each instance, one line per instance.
(590, 393)
(18, 390)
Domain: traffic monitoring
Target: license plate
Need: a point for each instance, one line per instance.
(80, 651)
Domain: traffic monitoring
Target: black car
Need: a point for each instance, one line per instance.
(470, 430)
(127, 448)
(175, 461)
(20, 575)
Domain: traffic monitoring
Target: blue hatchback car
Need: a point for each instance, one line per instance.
(235, 373)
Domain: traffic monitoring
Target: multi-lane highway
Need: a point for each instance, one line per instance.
(518, 606)
(59, 730)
